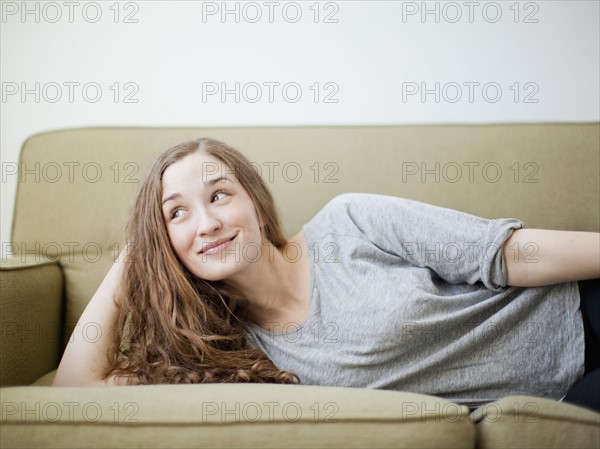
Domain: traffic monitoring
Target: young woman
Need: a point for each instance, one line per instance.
(375, 291)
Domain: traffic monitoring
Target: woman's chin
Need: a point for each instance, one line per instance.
(215, 274)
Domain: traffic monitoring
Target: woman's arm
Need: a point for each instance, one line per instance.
(85, 360)
(536, 257)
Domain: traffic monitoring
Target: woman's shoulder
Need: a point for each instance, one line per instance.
(336, 216)
(350, 203)
(330, 211)
(344, 200)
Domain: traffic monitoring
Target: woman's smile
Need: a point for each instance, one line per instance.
(217, 247)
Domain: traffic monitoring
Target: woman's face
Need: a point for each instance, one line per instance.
(203, 203)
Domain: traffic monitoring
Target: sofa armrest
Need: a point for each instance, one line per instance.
(31, 311)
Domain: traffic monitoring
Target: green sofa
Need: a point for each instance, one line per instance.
(75, 187)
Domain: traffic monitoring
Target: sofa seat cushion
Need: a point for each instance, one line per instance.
(531, 422)
(229, 415)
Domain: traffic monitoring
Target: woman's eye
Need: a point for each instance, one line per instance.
(173, 216)
(219, 192)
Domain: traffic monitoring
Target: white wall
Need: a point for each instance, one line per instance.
(367, 58)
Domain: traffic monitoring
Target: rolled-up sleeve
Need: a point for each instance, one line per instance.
(457, 246)
(492, 266)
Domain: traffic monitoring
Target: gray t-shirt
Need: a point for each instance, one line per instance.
(411, 296)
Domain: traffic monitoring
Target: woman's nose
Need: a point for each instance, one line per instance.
(207, 222)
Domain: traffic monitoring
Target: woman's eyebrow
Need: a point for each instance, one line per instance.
(207, 184)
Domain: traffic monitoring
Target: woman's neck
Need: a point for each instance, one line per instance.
(277, 288)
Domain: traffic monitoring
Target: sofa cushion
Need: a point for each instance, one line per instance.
(229, 415)
(530, 422)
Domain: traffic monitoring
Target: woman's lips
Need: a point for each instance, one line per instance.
(218, 248)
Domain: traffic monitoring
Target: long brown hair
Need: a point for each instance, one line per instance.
(174, 327)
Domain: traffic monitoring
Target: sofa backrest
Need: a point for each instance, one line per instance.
(76, 185)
